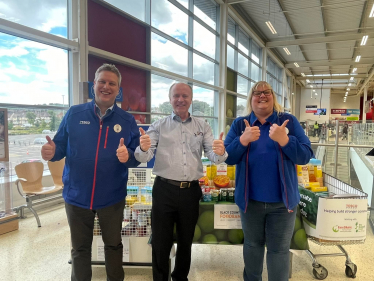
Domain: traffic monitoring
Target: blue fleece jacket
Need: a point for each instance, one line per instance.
(297, 151)
(93, 176)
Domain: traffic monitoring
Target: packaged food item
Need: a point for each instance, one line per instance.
(318, 172)
(312, 177)
(205, 180)
(207, 197)
(319, 189)
(223, 194)
(221, 181)
(302, 174)
(309, 185)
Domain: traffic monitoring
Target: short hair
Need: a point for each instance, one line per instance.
(177, 84)
(276, 106)
(111, 68)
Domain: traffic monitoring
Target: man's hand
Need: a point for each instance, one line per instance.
(279, 133)
(145, 140)
(49, 149)
(122, 153)
(250, 134)
(218, 146)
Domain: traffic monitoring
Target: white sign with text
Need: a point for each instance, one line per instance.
(227, 217)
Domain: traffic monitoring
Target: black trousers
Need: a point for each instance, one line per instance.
(172, 204)
(81, 222)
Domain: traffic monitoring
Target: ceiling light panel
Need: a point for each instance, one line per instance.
(358, 59)
(296, 64)
(372, 12)
(287, 51)
(271, 27)
(364, 39)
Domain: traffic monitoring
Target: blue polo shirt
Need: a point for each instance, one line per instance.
(263, 172)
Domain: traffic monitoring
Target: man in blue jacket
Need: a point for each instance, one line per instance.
(98, 140)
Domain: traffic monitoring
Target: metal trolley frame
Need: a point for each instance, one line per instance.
(348, 192)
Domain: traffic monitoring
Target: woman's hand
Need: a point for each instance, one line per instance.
(250, 134)
(279, 133)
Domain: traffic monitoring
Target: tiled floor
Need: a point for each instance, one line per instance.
(33, 253)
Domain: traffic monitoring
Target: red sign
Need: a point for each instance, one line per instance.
(338, 111)
(311, 111)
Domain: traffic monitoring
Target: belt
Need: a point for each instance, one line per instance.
(181, 184)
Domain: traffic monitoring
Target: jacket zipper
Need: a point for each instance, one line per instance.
(284, 177)
(246, 174)
(96, 158)
(106, 136)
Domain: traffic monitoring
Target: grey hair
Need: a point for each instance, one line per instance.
(111, 68)
(171, 87)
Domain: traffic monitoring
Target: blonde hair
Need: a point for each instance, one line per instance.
(276, 106)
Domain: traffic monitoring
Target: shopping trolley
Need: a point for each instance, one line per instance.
(337, 190)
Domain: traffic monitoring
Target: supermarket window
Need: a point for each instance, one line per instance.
(134, 8)
(204, 40)
(203, 102)
(243, 56)
(206, 10)
(231, 31)
(240, 107)
(168, 55)
(169, 19)
(160, 95)
(35, 91)
(203, 69)
(47, 16)
(29, 74)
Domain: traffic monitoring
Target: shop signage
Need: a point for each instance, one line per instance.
(227, 217)
(338, 111)
(101, 253)
(353, 111)
(311, 109)
(352, 118)
(346, 114)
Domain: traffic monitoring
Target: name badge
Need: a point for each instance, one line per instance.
(117, 128)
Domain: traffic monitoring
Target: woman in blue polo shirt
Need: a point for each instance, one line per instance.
(265, 145)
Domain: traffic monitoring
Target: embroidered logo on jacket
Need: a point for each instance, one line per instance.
(84, 122)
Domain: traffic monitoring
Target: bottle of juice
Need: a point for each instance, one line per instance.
(318, 171)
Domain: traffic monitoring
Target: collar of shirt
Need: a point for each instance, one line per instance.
(177, 118)
(98, 111)
(271, 119)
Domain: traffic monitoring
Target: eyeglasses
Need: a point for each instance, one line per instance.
(259, 93)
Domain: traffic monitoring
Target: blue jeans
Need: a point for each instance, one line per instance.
(270, 224)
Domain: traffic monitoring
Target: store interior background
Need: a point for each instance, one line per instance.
(221, 48)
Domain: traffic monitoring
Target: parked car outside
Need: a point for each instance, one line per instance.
(40, 141)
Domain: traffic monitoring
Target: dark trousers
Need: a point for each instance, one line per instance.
(172, 204)
(81, 222)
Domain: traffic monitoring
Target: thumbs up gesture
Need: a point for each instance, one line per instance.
(145, 140)
(48, 149)
(279, 133)
(250, 134)
(122, 153)
(218, 146)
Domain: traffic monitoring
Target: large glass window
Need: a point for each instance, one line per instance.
(246, 53)
(134, 8)
(48, 16)
(168, 55)
(203, 69)
(207, 11)
(29, 74)
(204, 40)
(169, 19)
(34, 86)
